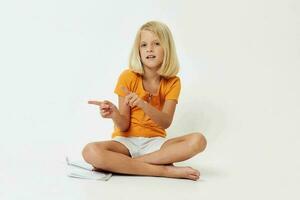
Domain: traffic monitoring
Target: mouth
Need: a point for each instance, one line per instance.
(150, 57)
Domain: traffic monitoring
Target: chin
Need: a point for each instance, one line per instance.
(153, 66)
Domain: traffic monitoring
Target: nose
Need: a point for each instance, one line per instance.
(149, 48)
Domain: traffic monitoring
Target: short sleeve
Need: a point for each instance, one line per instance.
(124, 80)
(173, 89)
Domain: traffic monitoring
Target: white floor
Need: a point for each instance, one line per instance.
(231, 168)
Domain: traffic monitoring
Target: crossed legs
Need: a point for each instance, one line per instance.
(114, 156)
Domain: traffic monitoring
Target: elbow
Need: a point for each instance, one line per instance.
(124, 129)
(125, 126)
(167, 124)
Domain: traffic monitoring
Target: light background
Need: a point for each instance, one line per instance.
(240, 86)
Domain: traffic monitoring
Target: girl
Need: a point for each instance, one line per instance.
(148, 92)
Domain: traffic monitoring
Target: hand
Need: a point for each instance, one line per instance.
(132, 99)
(107, 109)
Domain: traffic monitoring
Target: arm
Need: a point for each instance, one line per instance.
(163, 118)
(121, 118)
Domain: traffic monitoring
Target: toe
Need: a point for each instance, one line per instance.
(193, 177)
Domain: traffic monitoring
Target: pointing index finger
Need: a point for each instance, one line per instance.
(98, 103)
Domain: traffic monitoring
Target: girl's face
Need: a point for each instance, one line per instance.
(151, 51)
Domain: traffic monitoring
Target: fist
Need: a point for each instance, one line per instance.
(132, 99)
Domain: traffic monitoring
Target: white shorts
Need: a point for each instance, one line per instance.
(139, 146)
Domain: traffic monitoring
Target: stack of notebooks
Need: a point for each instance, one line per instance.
(83, 170)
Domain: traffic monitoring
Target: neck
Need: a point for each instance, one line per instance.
(151, 75)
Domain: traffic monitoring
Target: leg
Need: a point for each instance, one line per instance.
(114, 157)
(176, 149)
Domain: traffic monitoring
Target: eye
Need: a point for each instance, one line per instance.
(157, 43)
(143, 45)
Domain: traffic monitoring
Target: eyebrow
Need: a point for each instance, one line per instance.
(156, 40)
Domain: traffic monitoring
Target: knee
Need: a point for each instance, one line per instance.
(198, 142)
(88, 152)
(92, 152)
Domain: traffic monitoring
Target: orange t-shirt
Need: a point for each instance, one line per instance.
(140, 124)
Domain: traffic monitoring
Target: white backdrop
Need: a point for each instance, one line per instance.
(239, 69)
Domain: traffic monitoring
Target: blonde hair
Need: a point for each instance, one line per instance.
(170, 65)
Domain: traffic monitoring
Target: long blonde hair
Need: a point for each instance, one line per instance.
(170, 65)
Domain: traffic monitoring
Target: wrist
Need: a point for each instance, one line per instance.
(115, 114)
(143, 104)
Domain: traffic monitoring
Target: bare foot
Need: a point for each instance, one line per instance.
(182, 172)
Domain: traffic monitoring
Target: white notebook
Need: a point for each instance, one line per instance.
(81, 169)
